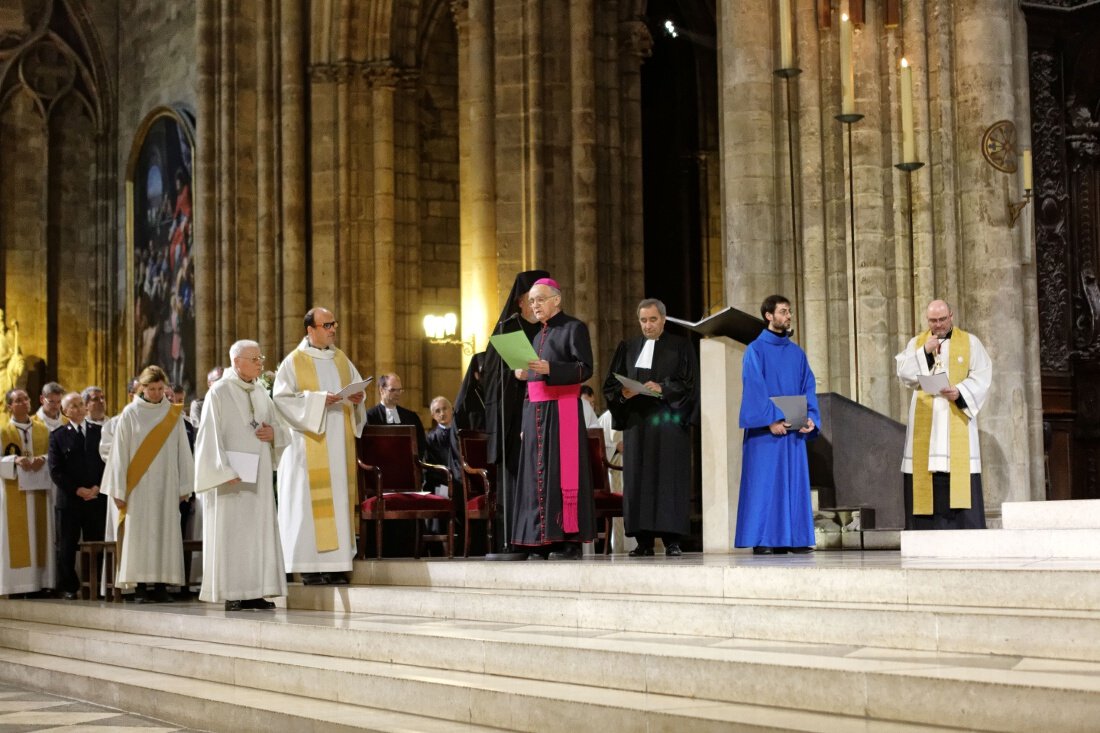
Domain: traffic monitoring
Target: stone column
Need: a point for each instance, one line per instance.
(747, 110)
(477, 170)
(383, 86)
(636, 45)
(206, 231)
(990, 277)
(292, 175)
(585, 294)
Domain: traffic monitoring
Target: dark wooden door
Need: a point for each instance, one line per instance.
(1064, 68)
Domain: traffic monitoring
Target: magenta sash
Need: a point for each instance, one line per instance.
(566, 396)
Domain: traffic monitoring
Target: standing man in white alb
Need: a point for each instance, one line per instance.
(317, 473)
(242, 555)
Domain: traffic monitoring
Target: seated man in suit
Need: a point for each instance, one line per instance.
(443, 438)
(76, 470)
(388, 412)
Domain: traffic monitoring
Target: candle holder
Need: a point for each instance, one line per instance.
(787, 75)
(1016, 208)
(908, 169)
(848, 120)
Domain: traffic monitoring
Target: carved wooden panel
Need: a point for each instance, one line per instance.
(1065, 132)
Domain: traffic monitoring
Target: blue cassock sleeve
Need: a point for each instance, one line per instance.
(809, 388)
(757, 410)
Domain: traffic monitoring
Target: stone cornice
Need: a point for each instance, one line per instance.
(376, 73)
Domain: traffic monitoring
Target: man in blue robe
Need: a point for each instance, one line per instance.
(774, 515)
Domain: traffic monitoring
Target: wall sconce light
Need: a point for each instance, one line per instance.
(1014, 209)
(441, 330)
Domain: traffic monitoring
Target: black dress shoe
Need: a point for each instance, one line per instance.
(640, 551)
(313, 579)
(258, 604)
(571, 551)
(673, 550)
(761, 550)
(335, 578)
(234, 605)
(70, 595)
(800, 550)
(160, 594)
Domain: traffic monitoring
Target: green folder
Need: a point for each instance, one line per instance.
(514, 348)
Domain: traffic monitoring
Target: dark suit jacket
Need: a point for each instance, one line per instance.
(377, 416)
(443, 450)
(74, 462)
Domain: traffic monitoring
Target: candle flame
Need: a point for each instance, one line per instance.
(904, 63)
(844, 17)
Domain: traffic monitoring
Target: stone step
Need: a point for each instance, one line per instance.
(1070, 514)
(1003, 544)
(879, 577)
(945, 628)
(613, 684)
(207, 705)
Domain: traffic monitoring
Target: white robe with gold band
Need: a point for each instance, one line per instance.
(306, 412)
(152, 546)
(974, 390)
(242, 557)
(40, 572)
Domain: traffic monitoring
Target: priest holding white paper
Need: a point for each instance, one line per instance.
(240, 438)
(317, 472)
(942, 465)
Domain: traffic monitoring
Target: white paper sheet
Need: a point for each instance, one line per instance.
(247, 465)
(933, 383)
(34, 480)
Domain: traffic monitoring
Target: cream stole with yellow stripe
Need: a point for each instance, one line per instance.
(958, 368)
(147, 453)
(320, 477)
(19, 530)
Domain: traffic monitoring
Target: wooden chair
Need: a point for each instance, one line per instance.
(608, 504)
(90, 554)
(391, 479)
(479, 485)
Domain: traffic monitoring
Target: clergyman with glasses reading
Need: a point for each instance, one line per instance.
(942, 465)
(317, 486)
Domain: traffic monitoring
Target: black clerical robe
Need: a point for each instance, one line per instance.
(657, 442)
(543, 512)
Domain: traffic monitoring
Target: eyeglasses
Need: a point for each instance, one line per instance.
(328, 326)
(257, 359)
(540, 299)
(945, 319)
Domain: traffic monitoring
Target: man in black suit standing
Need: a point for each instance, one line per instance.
(388, 412)
(76, 470)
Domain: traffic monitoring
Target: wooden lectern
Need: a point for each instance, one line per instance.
(725, 336)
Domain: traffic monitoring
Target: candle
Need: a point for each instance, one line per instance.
(847, 74)
(786, 35)
(908, 136)
(1027, 169)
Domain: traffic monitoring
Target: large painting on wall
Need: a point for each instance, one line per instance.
(160, 229)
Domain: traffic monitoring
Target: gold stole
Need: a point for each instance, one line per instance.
(19, 530)
(320, 477)
(959, 433)
(147, 453)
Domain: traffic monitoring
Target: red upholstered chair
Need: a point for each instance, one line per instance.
(479, 485)
(608, 504)
(390, 486)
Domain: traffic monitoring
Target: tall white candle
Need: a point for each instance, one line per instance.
(786, 36)
(1027, 169)
(908, 135)
(847, 73)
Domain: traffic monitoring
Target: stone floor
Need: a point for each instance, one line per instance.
(865, 637)
(24, 711)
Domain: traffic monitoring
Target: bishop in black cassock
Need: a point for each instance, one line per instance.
(657, 442)
(554, 502)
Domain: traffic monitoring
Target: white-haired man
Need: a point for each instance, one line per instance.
(240, 439)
